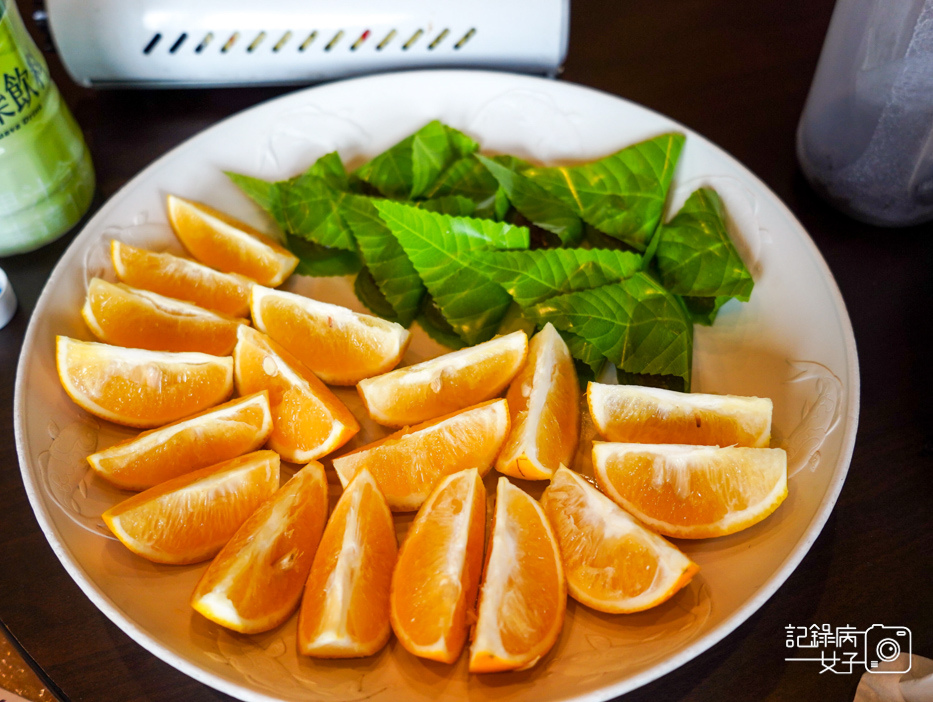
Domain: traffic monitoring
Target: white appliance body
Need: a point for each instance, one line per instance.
(188, 43)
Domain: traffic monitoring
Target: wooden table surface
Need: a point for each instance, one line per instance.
(734, 71)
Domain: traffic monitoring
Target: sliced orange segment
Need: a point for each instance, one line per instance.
(693, 492)
(444, 384)
(181, 279)
(437, 576)
(612, 563)
(255, 582)
(220, 433)
(409, 463)
(141, 388)
(345, 608)
(140, 319)
(341, 346)
(228, 245)
(308, 419)
(188, 519)
(524, 595)
(544, 401)
(633, 414)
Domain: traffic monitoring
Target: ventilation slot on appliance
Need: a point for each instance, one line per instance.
(333, 42)
(465, 38)
(438, 39)
(412, 39)
(152, 44)
(307, 42)
(359, 42)
(230, 42)
(178, 42)
(282, 42)
(256, 42)
(385, 42)
(208, 38)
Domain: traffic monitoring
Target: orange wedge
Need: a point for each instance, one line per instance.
(308, 419)
(181, 279)
(255, 582)
(629, 413)
(444, 384)
(188, 519)
(524, 595)
(228, 245)
(345, 608)
(693, 492)
(439, 565)
(612, 563)
(141, 388)
(140, 319)
(544, 401)
(408, 464)
(223, 432)
(341, 346)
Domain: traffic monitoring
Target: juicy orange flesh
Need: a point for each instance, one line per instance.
(181, 279)
(225, 254)
(430, 604)
(714, 491)
(195, 446)
(327, 346)
(145, 394)
(304, 410)
(266, 563)
(413, 460)
(643, 423)
(604, 564)
(533, 601)
(189, 519)
(535, 450)
(406, 400)
(122, 316)
(364, 618)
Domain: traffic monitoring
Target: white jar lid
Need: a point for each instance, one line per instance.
(7, 300)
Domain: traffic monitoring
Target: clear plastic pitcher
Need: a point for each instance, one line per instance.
(46, 176)
(865, 140)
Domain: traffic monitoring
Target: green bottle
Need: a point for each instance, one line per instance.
(46, 174)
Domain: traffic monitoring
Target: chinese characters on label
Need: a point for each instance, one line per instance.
(21, 88)
(843, 649)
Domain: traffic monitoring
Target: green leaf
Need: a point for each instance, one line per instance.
(408, 169)
(455, 205)
(636, 324)
(532, 276)
(308, 205)
(435, 326)
(371, 296)
(622, 194)
(311, 210)
(437, 246)
(386, 260)
(262, 192)
(469, 178)
(695, 256)
(534, 202)
(703, 310)
(585, 353)
(317, 260)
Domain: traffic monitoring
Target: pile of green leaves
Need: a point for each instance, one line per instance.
(470, 246)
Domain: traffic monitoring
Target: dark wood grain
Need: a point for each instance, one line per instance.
(734, 71)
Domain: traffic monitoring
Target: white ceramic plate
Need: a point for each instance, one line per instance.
(793, 343)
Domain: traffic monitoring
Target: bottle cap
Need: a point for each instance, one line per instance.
(7, 300)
